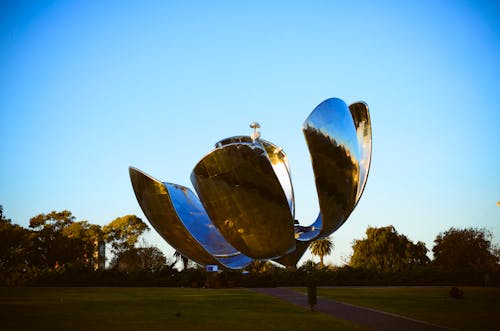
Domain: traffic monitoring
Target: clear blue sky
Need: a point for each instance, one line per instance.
(88, 88)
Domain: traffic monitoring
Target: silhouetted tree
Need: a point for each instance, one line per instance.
(149, 259)
(384, 249)
(54, 248)
(321, 248)
(309, 266)
(60, 241)
(2, 216)
(89, 238)
(257, 266)
(16, 245)
(469, 248)
(124, 232)
(53, 222)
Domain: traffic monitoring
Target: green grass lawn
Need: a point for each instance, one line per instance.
(478, 310)
(154, 309)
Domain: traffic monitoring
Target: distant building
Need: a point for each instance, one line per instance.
(99, 257)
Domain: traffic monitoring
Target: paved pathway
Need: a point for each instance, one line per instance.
(371, 318)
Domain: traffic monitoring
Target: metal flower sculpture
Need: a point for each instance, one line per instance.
(245, 208)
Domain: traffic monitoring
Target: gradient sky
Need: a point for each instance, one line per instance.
(88, 88)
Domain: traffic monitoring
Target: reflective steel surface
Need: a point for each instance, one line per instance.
(279, 161)
(361, 117)
(333, 145)
(246, 204)
(244, 199)
(177, 215)
(195, 219)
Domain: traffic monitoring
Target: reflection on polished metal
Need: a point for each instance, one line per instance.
(178, 216)
(246, 207)
(245, 200)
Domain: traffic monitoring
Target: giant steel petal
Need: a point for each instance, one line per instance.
(333, 145)
(278, 160)
(177, 215)
(244, 199)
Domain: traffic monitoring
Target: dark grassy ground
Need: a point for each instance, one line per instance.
(478, 310)
(154, 309)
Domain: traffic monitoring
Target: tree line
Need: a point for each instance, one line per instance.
(385, 257)
(386, 250)
(57, 249)
(57, 243)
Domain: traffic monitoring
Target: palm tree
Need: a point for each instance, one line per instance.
(178, 256)
(321, 248)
